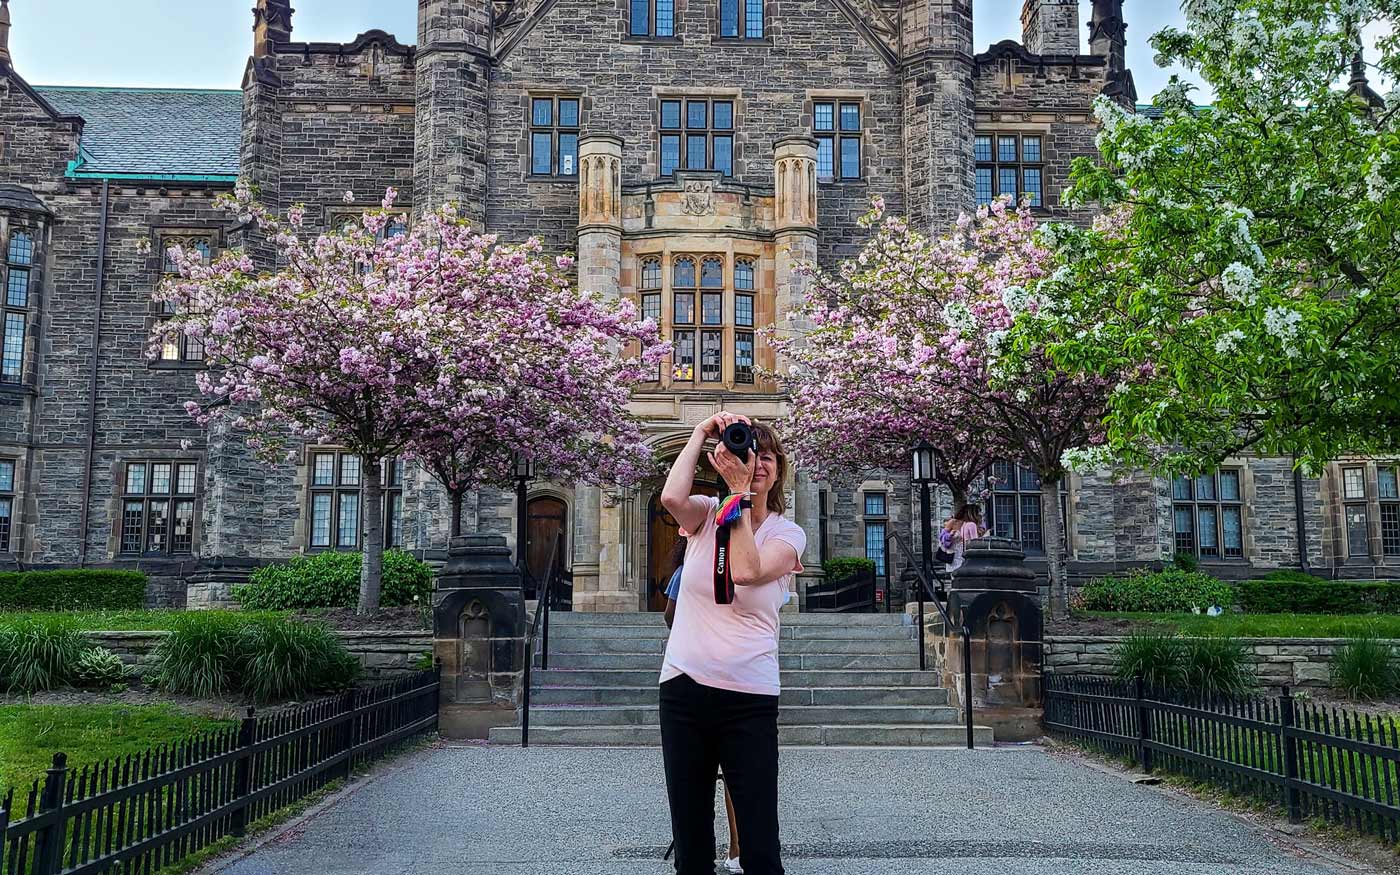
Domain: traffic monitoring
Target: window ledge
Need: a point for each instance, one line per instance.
(859, 181)
(742, 41)
(639, 40)
(160, 365)
(17, 389)
(571, 179)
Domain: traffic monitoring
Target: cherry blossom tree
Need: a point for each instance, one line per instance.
(405, 343)
(910, 342)
(1249, 265)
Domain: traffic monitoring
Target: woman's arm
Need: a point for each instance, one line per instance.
(689, 510)
(670, 612)
(752, 566)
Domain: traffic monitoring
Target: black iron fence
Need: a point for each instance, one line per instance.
(1315, 761)
(134, 815)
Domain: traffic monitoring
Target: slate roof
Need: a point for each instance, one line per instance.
(154, 131)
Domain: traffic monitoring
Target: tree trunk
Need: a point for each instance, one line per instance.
(457, 512)
(1052, 531)
(372, 560)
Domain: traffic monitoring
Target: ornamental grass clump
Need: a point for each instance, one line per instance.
(1366, 668)
(1217, 666)
(284, 659)
(39, 654)
(1160, 660)
(199, 655)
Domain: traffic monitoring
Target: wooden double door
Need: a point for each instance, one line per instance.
(546, 522)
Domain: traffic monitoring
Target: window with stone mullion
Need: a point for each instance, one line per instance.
(1208, 515)
(17, 274)
(655, 18)
(1009, 163)
(696, 133)
(554, 132)
(837, 126)
(183, 349)
(335, 503)
(158, 507)
(1014, 509)
(730, 25)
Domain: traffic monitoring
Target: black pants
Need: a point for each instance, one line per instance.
(703, 729)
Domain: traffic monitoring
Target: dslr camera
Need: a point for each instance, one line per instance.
(739, 439)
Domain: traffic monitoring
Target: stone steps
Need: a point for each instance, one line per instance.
(848, 679)
(648, 696)
(952, 735)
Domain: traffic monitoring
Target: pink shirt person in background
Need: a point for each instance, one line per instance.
(965, 526)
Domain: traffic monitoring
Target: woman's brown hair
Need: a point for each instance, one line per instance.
(969, 513)
(768, 441)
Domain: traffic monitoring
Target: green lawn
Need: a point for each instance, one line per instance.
(116, 621)
(31, 734)
(1267, 625)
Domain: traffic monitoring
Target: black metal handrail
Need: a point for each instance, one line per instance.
(540, 621)
(926, 587)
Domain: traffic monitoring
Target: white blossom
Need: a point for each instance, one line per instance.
(1016, 299)
(1086, 460)
(1282, 323)
(959, 317)
(1228, 342)
(1240, 283)
(1377, 186)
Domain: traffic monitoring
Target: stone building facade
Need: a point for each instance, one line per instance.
(691, 152)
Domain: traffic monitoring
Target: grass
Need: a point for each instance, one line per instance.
(31, 734)
(1266, 625)
(119, 621)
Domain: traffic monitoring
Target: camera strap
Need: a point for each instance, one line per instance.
(724, 583)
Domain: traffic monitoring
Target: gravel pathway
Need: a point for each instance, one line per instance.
(853, 811)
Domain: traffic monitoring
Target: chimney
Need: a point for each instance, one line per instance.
(1050, 27)
(1108, 34)
(272, 23)
(5, 34)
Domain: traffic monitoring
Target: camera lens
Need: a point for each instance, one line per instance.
(738, 439)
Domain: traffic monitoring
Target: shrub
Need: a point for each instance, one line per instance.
(1302, 594)
(1365, 668)
(1217, 666)
(1160, 660)
(287, 659)
(847, 567)
(39, 654)
(332, 580)
(1168, 591)
(1186, 562)
(1292, 575)
(99, 667)
(199, 655)
(78, 589)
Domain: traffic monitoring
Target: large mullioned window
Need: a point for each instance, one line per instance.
(696, 133)
(1010, 164)
(554, 127)
(837, 126)
(707, 309)
(158, 507)
(335, 501)
(1208, 515)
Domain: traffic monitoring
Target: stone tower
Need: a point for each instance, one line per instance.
(453, 57)
(937, 96)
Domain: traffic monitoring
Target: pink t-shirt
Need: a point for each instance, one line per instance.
(734, 646)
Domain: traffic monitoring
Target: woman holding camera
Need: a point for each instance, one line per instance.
(720, 679)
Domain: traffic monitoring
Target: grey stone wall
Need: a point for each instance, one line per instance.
(379, 653)
(1277, 662)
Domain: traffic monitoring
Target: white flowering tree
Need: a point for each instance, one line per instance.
(1247, 268)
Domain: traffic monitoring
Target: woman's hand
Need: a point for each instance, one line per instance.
(738, 476)
(714, 426)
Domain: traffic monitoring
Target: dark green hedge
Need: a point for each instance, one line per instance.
(1318, 597)
(1167, 591)
(846, 567)
(332, 580)
(75, 589)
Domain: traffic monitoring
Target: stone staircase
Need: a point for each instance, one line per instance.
(848, 679)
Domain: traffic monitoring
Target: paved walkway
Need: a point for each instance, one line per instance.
(558, 811)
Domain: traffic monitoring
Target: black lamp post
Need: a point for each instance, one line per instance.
(924, 471)
(524, 473)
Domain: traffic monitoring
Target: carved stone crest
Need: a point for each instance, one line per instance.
(698, 198)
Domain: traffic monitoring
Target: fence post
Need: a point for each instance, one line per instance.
(4, 829)
(347, 733)
(48, 851)
(1287, 719)
(1144, 726)
(242, 772)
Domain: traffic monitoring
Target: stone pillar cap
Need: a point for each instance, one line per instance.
(795, 140)
(600, 138)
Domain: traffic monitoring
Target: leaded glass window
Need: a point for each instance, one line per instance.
(1009, 164)
(1208, 515)
(837, 125)
(158, 507)
(696, 133)
(554, 130)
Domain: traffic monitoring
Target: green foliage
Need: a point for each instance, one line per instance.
(211, 654)
(199, 656)
(1266, 625)
(39, 655)
(332, 580)
(1217, 667)
(1292, 575)
(1313, 596)
(424, 662)
(1169, 590)
(847, 567)
(282, 659)
(1365, 668)
(1160, 660)
(71, 590)
(99, 667)
(1186, 562)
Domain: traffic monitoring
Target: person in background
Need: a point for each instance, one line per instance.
(964, 526)
(673, 592)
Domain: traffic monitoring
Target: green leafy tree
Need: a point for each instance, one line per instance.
(1245, 272)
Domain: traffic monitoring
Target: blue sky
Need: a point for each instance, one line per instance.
(205, 43)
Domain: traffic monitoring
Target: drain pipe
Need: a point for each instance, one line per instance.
(1299, 518)
(85, 512)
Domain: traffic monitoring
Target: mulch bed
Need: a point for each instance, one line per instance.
(405, 619)
(1084, 625)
